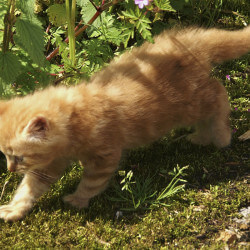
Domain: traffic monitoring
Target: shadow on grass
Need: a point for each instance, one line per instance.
(207, 166)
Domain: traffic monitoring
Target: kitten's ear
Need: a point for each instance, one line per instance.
(37, 128)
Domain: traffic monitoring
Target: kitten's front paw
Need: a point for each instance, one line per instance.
(11, 213)
(76, 201)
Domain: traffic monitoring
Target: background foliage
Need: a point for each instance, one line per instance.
(36, 28)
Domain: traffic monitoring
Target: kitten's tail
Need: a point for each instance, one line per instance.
(226, 45)
(219, 45)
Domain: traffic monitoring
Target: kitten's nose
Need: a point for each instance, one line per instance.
(12, 167)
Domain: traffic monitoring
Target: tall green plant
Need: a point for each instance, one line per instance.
(9, 20)
(71, 13)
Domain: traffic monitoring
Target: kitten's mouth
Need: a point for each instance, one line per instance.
(12, 169)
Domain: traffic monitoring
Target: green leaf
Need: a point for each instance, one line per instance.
(127, 33)
(97, 53)
(143, 27)
(110, 30)
(57, 14)
(2, 87)
(10, 67)
(141, 23)
(130, 14)
(88, 11)
(164, 5)
(30, 37)
(26, 7)
(83, 2)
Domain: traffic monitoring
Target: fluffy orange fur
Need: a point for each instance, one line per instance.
(135, 100)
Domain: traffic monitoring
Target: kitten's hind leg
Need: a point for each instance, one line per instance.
(216, 129)
(203, 133)
(220, 125)
(97, 174)
(221, 131)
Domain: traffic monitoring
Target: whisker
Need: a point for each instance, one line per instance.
(40, 175)
(43, 174)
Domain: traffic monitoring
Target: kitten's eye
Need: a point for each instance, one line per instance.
(18, 159)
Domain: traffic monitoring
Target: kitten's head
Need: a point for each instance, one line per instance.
(31, 136)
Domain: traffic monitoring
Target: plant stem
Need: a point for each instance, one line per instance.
(79, 31)
(9, 20)
(73, 17)
(71, 10)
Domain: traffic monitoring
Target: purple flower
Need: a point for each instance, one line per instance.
(234, 130)
(141, 3)
(228, 77)
(236, 109)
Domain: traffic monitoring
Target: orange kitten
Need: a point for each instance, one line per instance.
(135, 100)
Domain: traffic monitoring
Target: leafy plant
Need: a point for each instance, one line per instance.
(139, 194)
(62, 41)
(27, 41)
(173, 187)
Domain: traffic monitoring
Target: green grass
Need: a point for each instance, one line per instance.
(215, 189)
